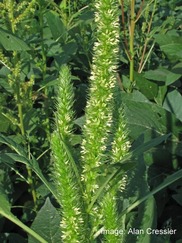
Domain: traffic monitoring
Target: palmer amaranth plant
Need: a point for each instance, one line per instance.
(86, 206)
(102, 186)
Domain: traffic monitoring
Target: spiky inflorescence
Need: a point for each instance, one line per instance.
(120, 148)
(102, 81)
(120, 144)
(108, 206)
(72, 224)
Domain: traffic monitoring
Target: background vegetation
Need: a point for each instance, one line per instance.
(36, 39)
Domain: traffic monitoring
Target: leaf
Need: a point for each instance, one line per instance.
(80, 121)
(163, 75)
(141, 119)
(178, 197)
(137, 186)
(5, 211)
(173, 103)
(150, 144)
(172, 77)
(55, 24)
(11, 238)
(13, 145)
(10, 42)
(168, 181)
(4, 123)
(68, 50)
(148, 220)
(126, 82)
(148, 88)
(144, 117)
(47, 224)
(21, 157)
(4, 205)
(171, 45)
(9, 158)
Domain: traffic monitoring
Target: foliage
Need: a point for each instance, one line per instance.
(96, 145)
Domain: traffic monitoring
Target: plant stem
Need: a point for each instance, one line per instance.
(142, 62)
(44, 69)
(124, 31)
(19, 102)
(132, 30)
(20, 114)
(29, 171)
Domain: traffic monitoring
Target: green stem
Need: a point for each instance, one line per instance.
(19, 105)
(132, 30)
(29, 171)
(20, 114)
(44, 70)
(142, 62)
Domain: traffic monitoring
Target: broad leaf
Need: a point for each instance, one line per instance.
(55, 24)
(148, 220)
(163, 75)
(10, 42)
(171, 45)
(144, 117)
(173, 103)
(168, 181)
(4, 123)
(47, 224)
(148, 88)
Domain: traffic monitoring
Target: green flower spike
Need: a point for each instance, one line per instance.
(102, 81)
(99, 109)
(120, 148)
(120, 144)
(72, 223)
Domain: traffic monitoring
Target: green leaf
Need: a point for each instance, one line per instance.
(126, 82)
(4, 123)
(66, 52)
(173, 103)
(5, 211)
(21, 157)
(80, 121)
(156, 75)
(150, 144)
(10, 42)
(55, 24)
(163, 75)
(178, 197)
(47, 224)
(4, 205)
(144, 117)
(13, 145)
(171, 45)
(12, 238)
(168, 181)
(148, 220)
(148, 88)
(161, 95)
(9, 158)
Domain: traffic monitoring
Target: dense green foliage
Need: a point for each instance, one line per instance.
(139, 104)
